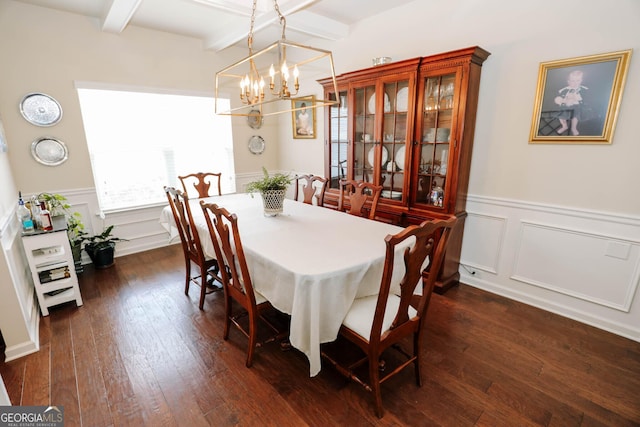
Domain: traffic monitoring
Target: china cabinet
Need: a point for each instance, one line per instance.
(408, 126)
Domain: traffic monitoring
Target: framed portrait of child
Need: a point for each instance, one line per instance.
(304, 117)
(578, 99)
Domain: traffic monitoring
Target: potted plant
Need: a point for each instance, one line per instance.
(101, 248)
(273, 189)
(57, 205)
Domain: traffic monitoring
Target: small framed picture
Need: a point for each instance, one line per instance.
(304, 117)
(577, 99)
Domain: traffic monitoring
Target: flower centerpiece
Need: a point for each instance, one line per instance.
(273, 189)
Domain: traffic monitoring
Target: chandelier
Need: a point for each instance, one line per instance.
(273, 75)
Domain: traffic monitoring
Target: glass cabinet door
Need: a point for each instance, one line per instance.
(434, 144)
(338, 139)
(364, 143)
(393, 158)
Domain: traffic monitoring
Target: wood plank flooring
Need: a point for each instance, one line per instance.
(140, 353)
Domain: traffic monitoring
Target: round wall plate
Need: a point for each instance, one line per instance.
(49, 151)
(254, 119)
(40, 109)
(256, 144)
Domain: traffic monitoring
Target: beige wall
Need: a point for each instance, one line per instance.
(60, 48)
(519, 36)
(43, 50)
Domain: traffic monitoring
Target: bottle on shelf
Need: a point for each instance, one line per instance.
(45, 217)
(35, 212)
(24, 215)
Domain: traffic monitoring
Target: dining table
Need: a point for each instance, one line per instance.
(310, 262)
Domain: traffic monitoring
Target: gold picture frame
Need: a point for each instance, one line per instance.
(578, 99)
(303, 117)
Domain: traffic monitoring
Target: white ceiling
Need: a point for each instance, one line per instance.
(223, 23)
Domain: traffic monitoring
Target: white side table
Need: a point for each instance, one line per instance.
(51, 262)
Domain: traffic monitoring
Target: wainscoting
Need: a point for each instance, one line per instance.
(19, 310)
(581, 264)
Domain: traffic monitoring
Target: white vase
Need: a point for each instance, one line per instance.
(273, 201)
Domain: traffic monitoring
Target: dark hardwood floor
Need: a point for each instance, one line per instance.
(139, 352)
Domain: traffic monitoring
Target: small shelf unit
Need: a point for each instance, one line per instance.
(52, 268)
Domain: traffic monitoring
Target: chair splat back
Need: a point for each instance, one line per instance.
(431, 240)
(201, 181)
(228, 247)
(360, 194)
(309, 189)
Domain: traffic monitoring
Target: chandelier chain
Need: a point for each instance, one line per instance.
(283, 21)
(253, 21)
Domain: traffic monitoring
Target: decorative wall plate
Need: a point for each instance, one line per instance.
(254, 119)
(40, 109)
(256, 144)
(49, 151)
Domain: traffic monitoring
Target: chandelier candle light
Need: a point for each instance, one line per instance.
(260, 82)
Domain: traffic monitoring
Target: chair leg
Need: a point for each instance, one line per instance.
(203, 286)
(228, 312)
(188, 275)
(418, 358)
(253, 337)
(374, 381)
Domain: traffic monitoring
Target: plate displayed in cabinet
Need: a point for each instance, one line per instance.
(400, 158)
(388, 194)
(372, 154)
(442, 134)
(402, 100)
(371, 106)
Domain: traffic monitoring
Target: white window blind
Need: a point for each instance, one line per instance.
(141, 141)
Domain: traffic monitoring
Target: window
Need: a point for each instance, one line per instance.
(141, 141)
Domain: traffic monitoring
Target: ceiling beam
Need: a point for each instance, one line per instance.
(317, 26)
(119, 14)
(308, 23)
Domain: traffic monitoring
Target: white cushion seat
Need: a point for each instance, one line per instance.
(359, 318)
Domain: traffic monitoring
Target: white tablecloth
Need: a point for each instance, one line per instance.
(310, 262)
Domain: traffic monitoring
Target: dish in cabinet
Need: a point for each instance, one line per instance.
(400, 158)
(371, 106)
(372, 154)
(402, 100)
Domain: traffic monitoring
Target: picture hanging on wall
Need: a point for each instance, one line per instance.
(304, 117)
(578, 99)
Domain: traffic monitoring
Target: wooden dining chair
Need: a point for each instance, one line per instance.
(360, 194)
(208, 278)
(236, 280)
(380, 322)
(307, 183)
(202, 182)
